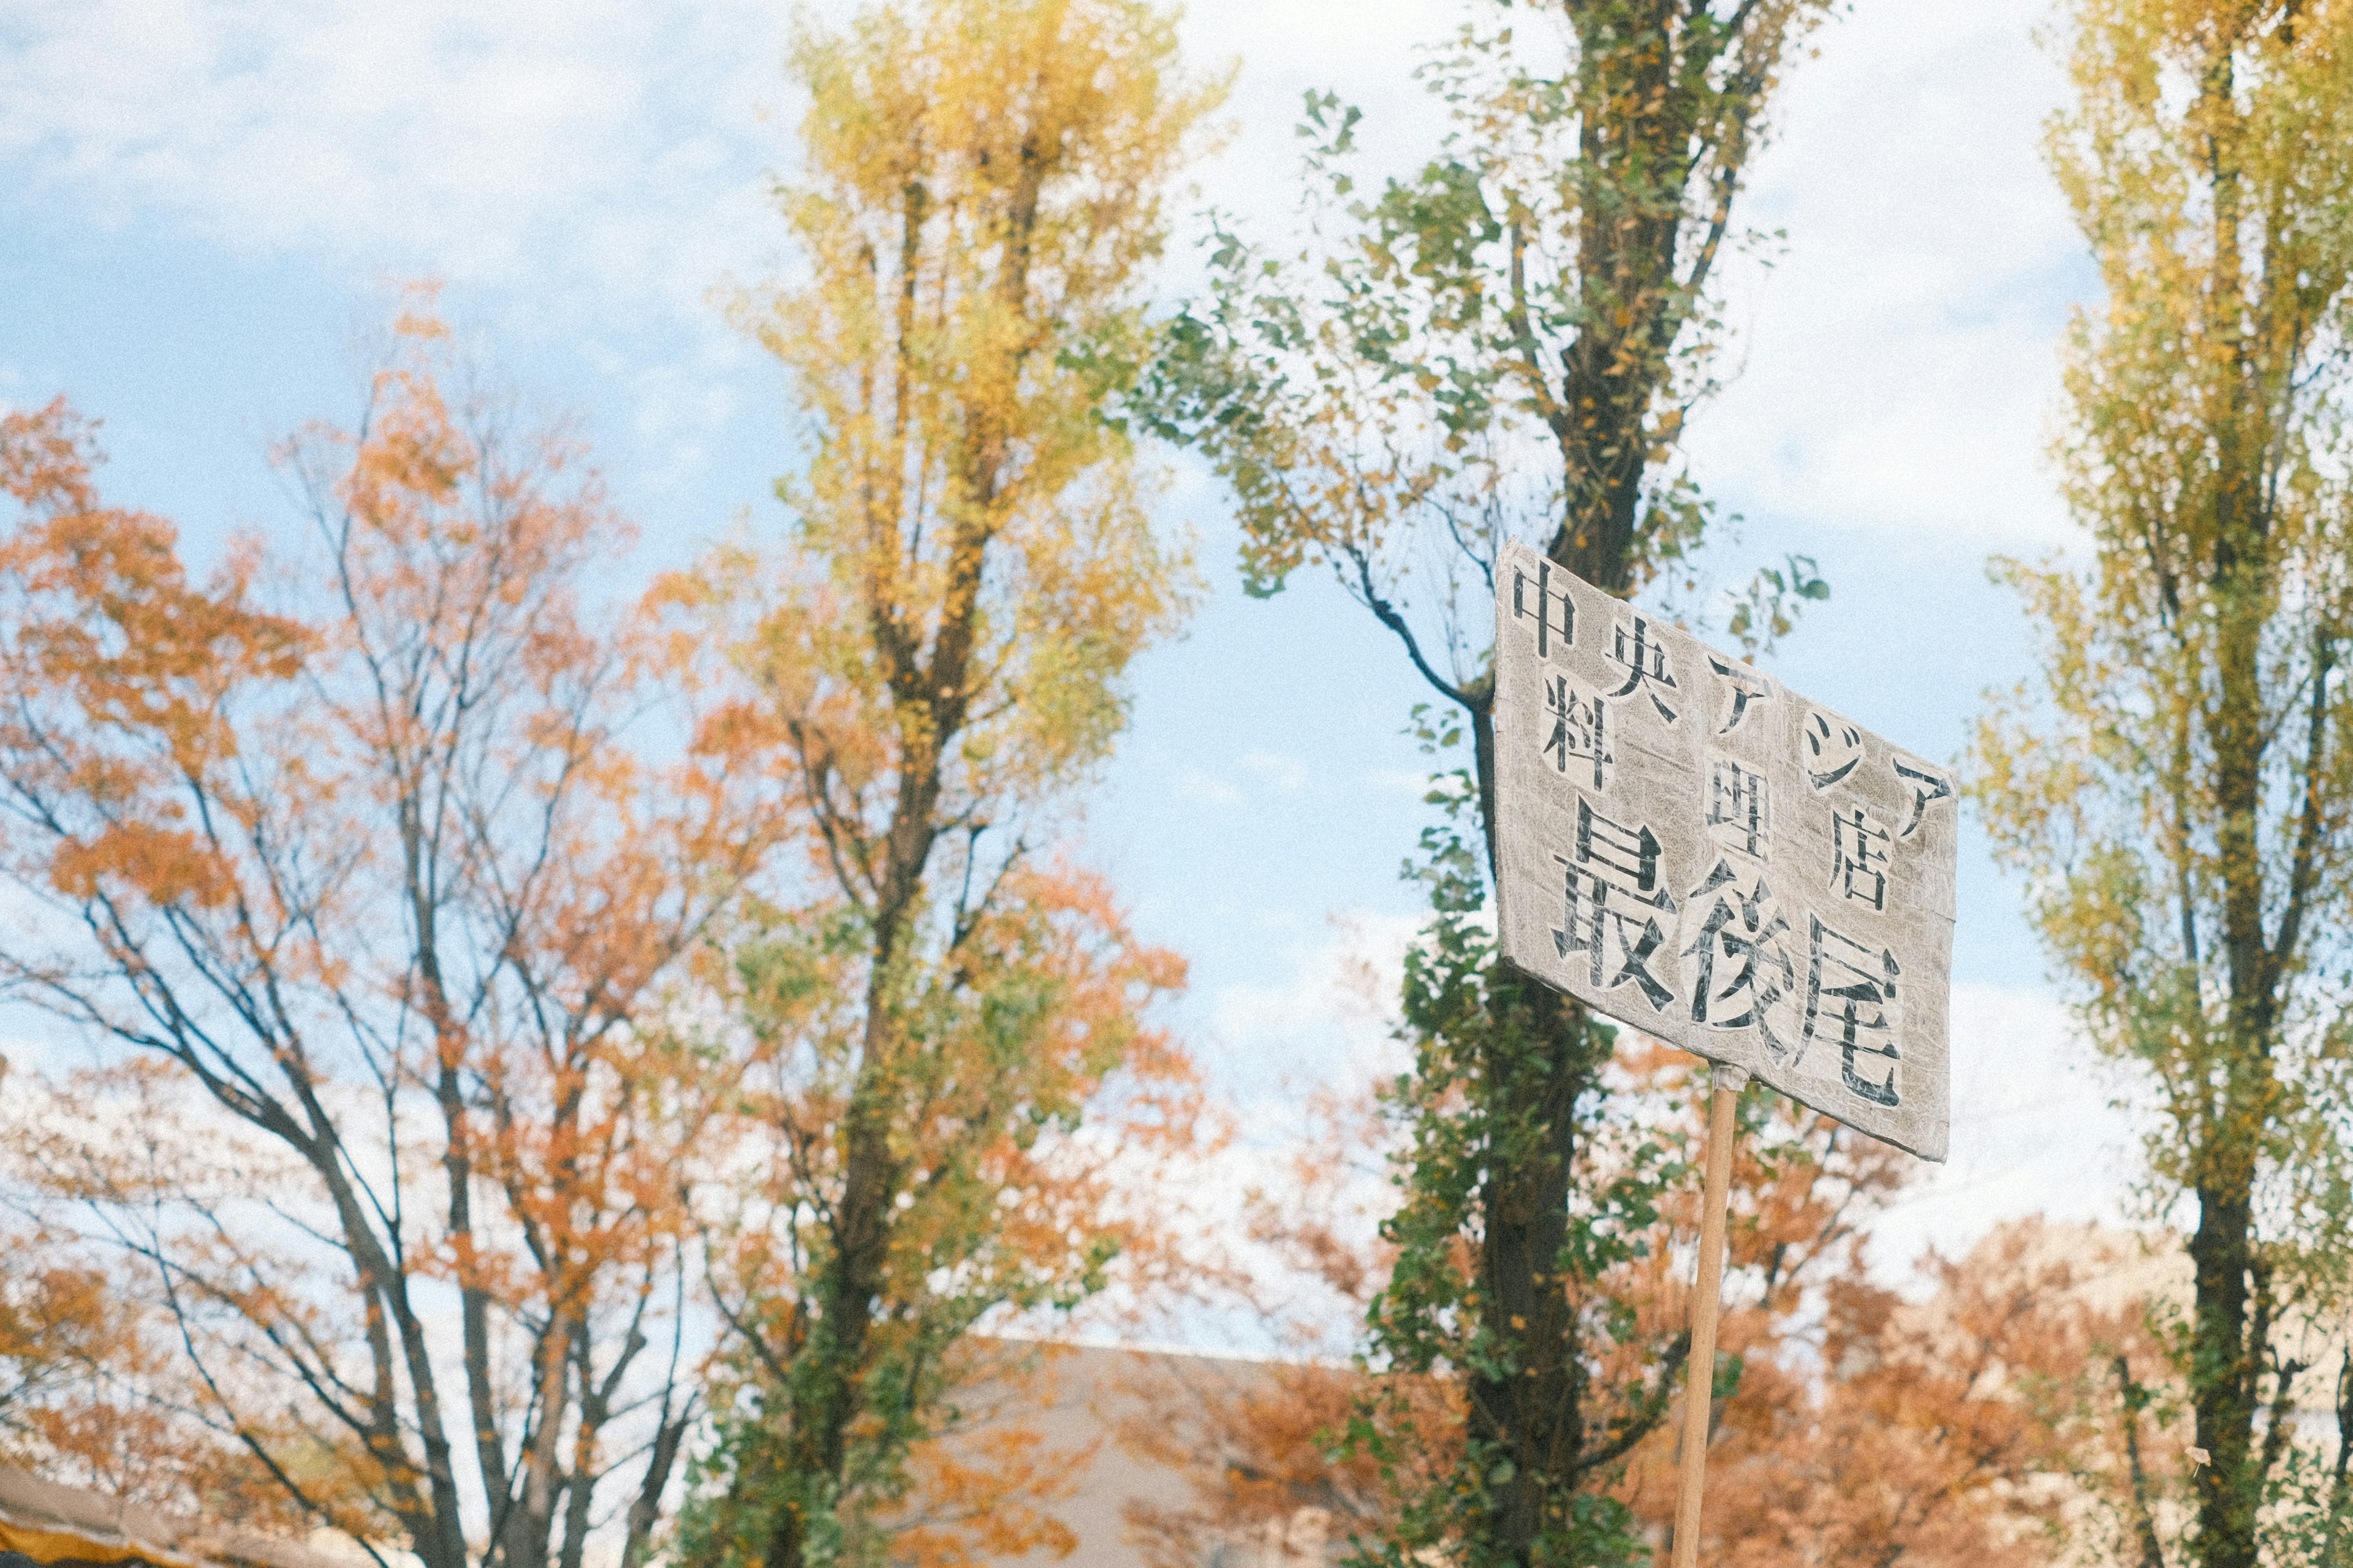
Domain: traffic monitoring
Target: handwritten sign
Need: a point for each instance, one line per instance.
(1690, 848)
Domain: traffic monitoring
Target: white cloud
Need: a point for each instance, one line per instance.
(15, 387)
(1365, 50)
(1327, 1022)
(607, 156)
(583, 169)
(1897, 369)
(1286, 775)
(1206, 788)
(1414, 782)
(1280, 774)
(1893, 369)
(2033, 1131)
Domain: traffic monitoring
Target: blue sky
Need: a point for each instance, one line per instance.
(205, 203)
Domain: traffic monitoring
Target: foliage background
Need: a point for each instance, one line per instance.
(1884, 416)
(204, 304)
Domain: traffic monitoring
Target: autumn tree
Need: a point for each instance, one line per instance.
(1269, 1452)
(1508, 341)
(1960, 1429)
(1259, 1445)
(1974, 1419)
(2174, 786)
(349, 862)
(94, 1391)
(940, 655)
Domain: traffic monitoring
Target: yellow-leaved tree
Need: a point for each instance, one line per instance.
(2176, 785)
(938, 659)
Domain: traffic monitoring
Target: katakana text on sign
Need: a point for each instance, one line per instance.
(1692, 849)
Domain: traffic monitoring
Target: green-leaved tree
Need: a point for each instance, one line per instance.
(1506, 342)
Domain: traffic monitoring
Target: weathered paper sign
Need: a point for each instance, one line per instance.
(1691, 847)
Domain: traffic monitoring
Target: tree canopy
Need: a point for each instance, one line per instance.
(939, 657)
(2174, 786)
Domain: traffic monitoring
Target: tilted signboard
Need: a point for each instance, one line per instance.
(1692, 849)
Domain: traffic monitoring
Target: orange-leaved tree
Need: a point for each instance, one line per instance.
(1258, 1444)
(93, 1389)
(940, 656)
(1982, 1425)
(374, 860)
(1268, 1450)
(1955, 1431)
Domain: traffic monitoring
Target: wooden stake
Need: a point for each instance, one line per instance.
(1724, 1099)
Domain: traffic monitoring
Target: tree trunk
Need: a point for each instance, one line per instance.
(1540, 1062)
(1542, 1052)
(1633, 304)
(826, 1400)
(2226, 1359)
(2228, 1489)
(2144, 1513)
(2340, 1497)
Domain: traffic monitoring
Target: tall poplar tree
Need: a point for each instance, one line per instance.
(940, 657)
(2176, 786)
(1507, 342)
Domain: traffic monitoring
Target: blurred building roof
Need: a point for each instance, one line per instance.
(58, 1524)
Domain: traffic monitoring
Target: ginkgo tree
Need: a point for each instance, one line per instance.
(938, 656)
(1506, 342)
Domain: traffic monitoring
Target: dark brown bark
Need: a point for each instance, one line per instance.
(2144, 1510)
(2340, 1495)
(644, 1508)
(1538, 1412)
(1642, 140)
(1543, 1414)
(1661, 145)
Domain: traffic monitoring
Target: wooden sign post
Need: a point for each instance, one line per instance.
(1690, 848)
(1723, 1125)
